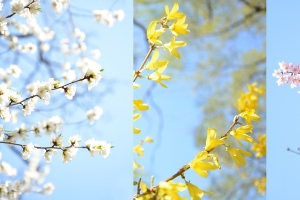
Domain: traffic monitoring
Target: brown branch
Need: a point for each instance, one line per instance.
(138, 72)
(20, 102)
(295, 152)
(39, 147)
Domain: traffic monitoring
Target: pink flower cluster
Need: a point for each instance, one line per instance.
(288, 73)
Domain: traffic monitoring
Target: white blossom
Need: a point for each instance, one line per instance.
(57, 141)
(100, 147)
(27, 151)
(44, 47)
(74, 140)
(14, 70)
(28, 108)
(93, 78)
(48, 154)
(96, 54)
(1, 132)
(94, 114)
(69, 75)
(119, 15)
(7, 169)
(78, 34)
(4, 113)
(17, 6)
(70, 91)
(68, 154)
(3, 24)
(48, 189)
(66, 65)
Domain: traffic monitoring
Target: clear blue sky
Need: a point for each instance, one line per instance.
(282, 102)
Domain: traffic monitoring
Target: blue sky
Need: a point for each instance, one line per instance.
(282, 102)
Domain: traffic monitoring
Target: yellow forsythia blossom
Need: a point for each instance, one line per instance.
(237, 156)
(136, 165)
(140, 105)
(139, 150)
(201, 166)
(249, 100)
(250, 115)
(153, 34)
(154, 64)
(157, 76)
(169, 190)
(173, 14)
(260, 146)
(171, 46)
(179, 27)
(211, 141)
(195, 192)
(261, 185)
(240, 133)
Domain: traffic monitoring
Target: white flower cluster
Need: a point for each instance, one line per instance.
(13, 70)
(7, 95)
(7, 169)
(94, 114)
(3, 24)
(107, 17)
(59, 5)
(18, 133)
(33, 178)
(31, 10)
(68, 153)
(49, 126)
(98, 147)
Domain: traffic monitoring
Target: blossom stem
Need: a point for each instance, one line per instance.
(137, 73)
(154, 188)
(235, 121)
(39, 147)
(20, 102)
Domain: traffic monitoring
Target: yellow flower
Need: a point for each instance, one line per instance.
(139, 150)
(171, 46)
(153, 64)
(136, 85)
(179, 27)
(200, 166)
(169, 190)
(136, 117)
(249, 115)
(157, 76)
(173, 14)
(260, 146)
(136, 165)
(211, 141)
(261, 185)
(140, 105)
(241, 134)
(148, 139)
(153, 34)
(249, 100)
(136, 130)
(237, 156)
(195, 192)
